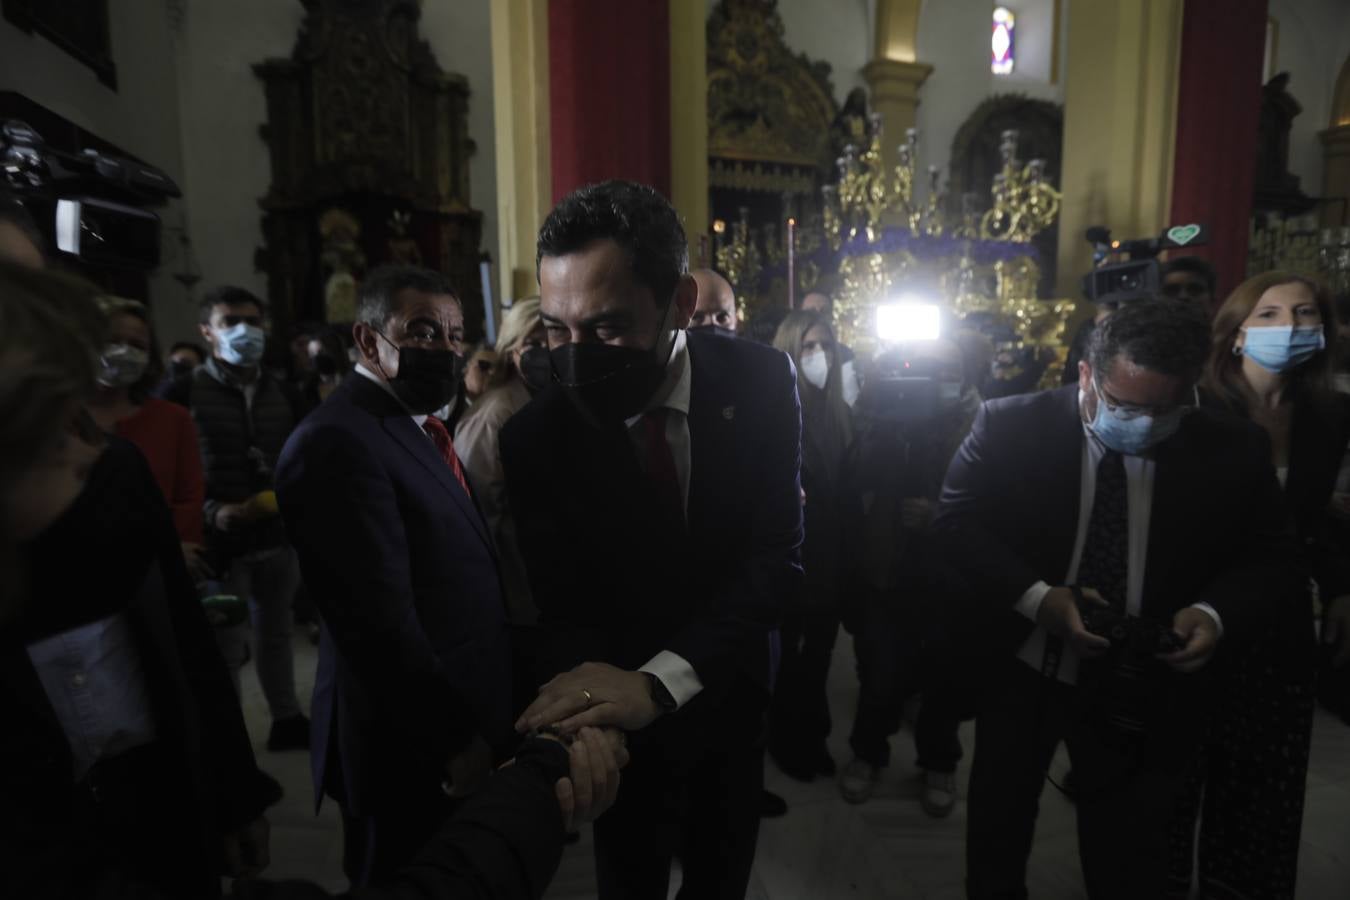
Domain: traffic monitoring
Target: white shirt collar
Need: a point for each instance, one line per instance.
(366, 373)
(675, 389)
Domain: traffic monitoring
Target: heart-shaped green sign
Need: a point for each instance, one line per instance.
(1182, 234)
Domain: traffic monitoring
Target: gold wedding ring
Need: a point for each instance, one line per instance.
(587, 694)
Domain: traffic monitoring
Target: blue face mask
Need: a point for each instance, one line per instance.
(241, 345)
(1135, 434)
(1279, 348)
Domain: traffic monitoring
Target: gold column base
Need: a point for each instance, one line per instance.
(1335, 171)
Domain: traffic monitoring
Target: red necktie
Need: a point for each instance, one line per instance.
(660, 464)
(440, 436)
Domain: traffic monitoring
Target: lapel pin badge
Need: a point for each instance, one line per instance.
(728, 412)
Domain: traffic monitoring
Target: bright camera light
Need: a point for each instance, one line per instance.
(909, 319)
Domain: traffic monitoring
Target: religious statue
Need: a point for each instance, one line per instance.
(342, 259)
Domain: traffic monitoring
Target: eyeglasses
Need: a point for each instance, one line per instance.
(1127, 412)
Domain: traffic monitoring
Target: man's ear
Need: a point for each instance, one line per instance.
(367, 343)
(207, 334)
(686, 298)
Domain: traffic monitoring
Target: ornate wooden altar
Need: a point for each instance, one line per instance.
(771, 115)
(370, 162)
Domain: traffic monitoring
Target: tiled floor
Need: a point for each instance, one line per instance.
(825, 849)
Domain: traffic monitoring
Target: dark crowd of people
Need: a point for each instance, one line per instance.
(595, 574)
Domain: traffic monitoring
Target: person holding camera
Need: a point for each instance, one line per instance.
(1114, 536)
(898, 617)
(1274, 343)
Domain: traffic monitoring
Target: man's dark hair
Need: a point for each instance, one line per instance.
(635, 217)
(380, 290)
(15, 213)
(189, 345)
(1193, 265)
(1155, 333)
(227, 295)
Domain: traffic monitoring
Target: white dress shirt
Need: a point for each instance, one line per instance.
(95, 680)
(1139, 477)
(673, 670)
(366, 373)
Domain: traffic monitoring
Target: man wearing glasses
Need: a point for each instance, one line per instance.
(1115, 501)
(412, 694)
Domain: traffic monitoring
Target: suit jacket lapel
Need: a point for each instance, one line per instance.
(1064, 464)
(404, 430)
(20, 680)
(712, 436)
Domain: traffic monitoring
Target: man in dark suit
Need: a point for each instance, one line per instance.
(413, 683)
(656, 487)
(1154, 510)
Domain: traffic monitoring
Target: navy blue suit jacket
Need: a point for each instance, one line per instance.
(1218, 530)
(614, 583)
(413, 660)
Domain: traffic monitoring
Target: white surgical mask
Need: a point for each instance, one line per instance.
(816, 368)
(122, 365)
(241, 344)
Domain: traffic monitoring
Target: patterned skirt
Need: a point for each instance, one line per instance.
(1251, 775)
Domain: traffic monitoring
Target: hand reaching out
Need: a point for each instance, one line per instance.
(594, 694)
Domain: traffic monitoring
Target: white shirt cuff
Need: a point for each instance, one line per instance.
(676, 674)
(1030, 604)
(1212, 613)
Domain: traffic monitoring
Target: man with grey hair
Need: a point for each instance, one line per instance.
(1111, 536)
(412, 696)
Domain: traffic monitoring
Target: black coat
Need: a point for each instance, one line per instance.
(614, 583)
(240, 444)
(116, 550)
(413, 659)
(1009, 515)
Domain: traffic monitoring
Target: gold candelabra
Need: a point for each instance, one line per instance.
(1024, 202)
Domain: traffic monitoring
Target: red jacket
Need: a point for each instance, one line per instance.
(166, 436)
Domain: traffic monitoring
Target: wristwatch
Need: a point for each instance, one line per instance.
(660, 695)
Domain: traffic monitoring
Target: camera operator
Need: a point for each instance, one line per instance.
(1192, 279)
(901, 454)
(1274, 341)
(1089, 488)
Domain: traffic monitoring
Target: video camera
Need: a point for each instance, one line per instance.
(904, 388)
(91, 203)
(1138, 275)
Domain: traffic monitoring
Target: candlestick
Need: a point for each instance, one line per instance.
(792, 262)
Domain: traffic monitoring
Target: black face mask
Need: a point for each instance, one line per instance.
(427, 379)
(178, 368)
(607, 383)
(714, 329)
(536, 369)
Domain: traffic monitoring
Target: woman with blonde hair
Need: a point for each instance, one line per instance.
(129, 368)
(1271, 362)
(799, 718)
(522, 370)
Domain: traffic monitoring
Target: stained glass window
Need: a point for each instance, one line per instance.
(1002, 49)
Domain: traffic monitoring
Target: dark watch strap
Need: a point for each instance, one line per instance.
(662, 697)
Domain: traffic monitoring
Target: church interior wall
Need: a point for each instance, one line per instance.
(188, 102)
(141, 117)
(954, 38)
(1314, 39)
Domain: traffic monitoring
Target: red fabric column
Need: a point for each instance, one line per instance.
(1218, 114)
(609, 92)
